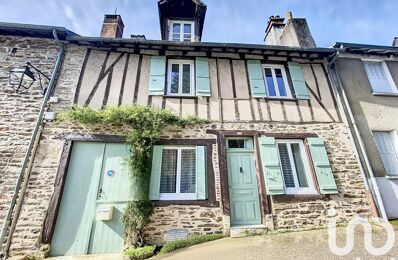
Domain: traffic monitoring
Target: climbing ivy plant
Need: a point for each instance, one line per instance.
(146, 125)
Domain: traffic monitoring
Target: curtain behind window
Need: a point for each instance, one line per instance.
(188, 171)
(169, 171)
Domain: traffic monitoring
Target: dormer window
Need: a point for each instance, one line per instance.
(182, 31)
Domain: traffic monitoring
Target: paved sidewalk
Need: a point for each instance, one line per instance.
(296, 245)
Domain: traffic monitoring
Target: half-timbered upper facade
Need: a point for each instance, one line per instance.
(274, 154)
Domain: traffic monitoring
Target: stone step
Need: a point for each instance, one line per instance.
(245, 231)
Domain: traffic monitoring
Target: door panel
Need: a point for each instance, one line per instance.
(76, 212)
(108, 235)
(247, 160)
(116, 186)
(115, 190)
(243, 190)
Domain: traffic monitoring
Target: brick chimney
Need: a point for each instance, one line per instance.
(288, 31)
(395, 42)
(112, 27)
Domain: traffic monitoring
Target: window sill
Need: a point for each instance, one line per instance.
(178, 96)
(385, 94)
(280, 98)
(201, 203)
(177, 197)
(298, 197)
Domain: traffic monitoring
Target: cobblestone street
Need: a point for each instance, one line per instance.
(295, 245)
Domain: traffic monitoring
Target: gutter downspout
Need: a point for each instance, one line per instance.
(342, 97)
(23, 178)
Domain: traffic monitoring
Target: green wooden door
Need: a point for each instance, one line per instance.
(97, 178)
(77, 209)
(115, 191)
(243, 190)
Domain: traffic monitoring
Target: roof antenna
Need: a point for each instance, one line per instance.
(116, 7)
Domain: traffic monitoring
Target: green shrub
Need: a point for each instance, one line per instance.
(193, 240)
(140, 253)
(135, 217)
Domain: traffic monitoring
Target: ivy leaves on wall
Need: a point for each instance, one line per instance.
(146, 125)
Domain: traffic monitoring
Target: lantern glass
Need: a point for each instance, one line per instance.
(21, 77)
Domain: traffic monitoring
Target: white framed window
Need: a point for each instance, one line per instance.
(379, 77)
(276, 81)
(295, 167)
(181, 78)
(178, 173)
(182, 31)
(387, 145)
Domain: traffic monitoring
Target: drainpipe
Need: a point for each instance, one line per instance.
(23, 178)
(342, 97)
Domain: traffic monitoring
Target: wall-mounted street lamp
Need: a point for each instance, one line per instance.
(24, 77)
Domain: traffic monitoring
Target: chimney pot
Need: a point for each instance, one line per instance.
(395, 42)
(112, 27)
(289, 31)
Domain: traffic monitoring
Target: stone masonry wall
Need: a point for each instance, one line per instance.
(288, 215)
(352, 197)
(18, 111)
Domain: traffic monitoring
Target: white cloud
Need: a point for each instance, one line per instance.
(72, 18)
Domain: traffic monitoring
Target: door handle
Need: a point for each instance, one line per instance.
(241, 170)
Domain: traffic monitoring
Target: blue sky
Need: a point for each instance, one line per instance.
(239, 21)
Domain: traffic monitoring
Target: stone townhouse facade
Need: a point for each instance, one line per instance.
(276, 152)
(367, 81)
(19, 111)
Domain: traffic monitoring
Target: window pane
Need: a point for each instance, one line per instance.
(176, 28)
(188, 171)
(187, 32)
(270, 82)
(169, 171)
(236, 143)
(286, 166)
(186, 79)
(298, 162)
(176, 37)
(187, 28)
(281, 83)
(175, 74)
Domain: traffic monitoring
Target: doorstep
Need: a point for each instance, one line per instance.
(249, 230)
(96, 257)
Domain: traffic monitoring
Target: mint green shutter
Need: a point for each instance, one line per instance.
(157, 77)
(154, 187)
(271, 166)
(201, 180)
(299, 85)
(256, 78)
(202, 77)
(323, 170)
